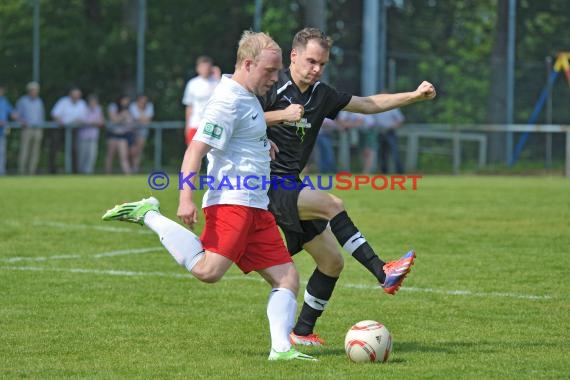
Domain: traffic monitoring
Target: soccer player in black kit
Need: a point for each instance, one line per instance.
(294, 111)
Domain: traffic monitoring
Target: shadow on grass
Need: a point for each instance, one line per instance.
(446, 347)
(402, 348)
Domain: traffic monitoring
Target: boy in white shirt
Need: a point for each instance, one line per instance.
(197, 93)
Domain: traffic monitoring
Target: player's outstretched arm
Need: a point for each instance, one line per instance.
(384, 102)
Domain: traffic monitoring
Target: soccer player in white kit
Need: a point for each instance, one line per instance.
(197, 92)
(239, 229)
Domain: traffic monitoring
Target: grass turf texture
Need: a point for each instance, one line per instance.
(83, 298)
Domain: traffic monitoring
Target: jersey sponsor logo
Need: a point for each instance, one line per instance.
(303, 123)
(213, 130)
(254, 116)
(264, 140)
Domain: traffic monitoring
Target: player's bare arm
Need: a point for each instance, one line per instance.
(384, 102)
(187, 210)
(292, 113)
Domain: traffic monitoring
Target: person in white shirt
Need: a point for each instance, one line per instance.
(142, 111)
(197, 93)
(238, 228)
(68, 111)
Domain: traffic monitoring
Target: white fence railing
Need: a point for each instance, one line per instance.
(415, 134)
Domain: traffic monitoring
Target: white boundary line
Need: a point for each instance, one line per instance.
(459, 292)
(247, 278)
(93, 227)
(73, 257)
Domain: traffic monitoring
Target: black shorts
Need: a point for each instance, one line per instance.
(283, 195)
(129, 136)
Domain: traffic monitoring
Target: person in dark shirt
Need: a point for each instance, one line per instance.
(294, 111)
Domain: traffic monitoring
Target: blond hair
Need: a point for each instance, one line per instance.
(252, 44)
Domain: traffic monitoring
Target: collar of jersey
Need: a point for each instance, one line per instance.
(228, 81)
(287, 77)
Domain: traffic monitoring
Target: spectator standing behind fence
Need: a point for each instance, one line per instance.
(6, 112)
(388, 122)
(32, 117)
(88, 136)
(363, 135)
(68, 111)
(120, 134)
(326, 156)
(142, 111)
(368, 143)
(197, 93)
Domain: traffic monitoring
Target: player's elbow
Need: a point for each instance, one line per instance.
(360, 104)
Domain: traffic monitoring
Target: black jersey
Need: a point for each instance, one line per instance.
(296, 140)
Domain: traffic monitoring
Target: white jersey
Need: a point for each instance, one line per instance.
(234, 126)
(196, 94)
(70, 112)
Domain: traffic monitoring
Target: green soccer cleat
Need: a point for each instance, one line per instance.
(292, 354)
(133, 212)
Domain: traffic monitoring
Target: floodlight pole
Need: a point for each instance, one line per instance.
(382, 47)
(36, 42)
(141, 30)
(374, 31)
(369, 72)
(549, 113)
(511, 40)
(257, 15)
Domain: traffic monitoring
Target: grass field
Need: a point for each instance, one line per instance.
(488, 297)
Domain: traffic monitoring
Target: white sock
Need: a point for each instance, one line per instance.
(281, 311)
(182, 244)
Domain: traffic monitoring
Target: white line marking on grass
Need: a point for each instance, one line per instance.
(124, 273)
(457, 292)
(40, 258)
(73, 257)
(68, 226)
(246, 278)
(127, 252)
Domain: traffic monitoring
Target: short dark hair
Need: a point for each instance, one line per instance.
(204, 59)
(306, 34)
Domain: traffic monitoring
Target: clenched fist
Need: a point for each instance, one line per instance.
(293, 113)
(426, 91)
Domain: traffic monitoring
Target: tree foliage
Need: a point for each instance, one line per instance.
(92, 43)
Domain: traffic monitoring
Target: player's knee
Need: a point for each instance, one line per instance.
(331, 265)
(290, 281)
(337, 264)
(209, 276)
(335, 205)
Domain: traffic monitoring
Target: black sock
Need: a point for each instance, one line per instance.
(317, 295)
(354, 243)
